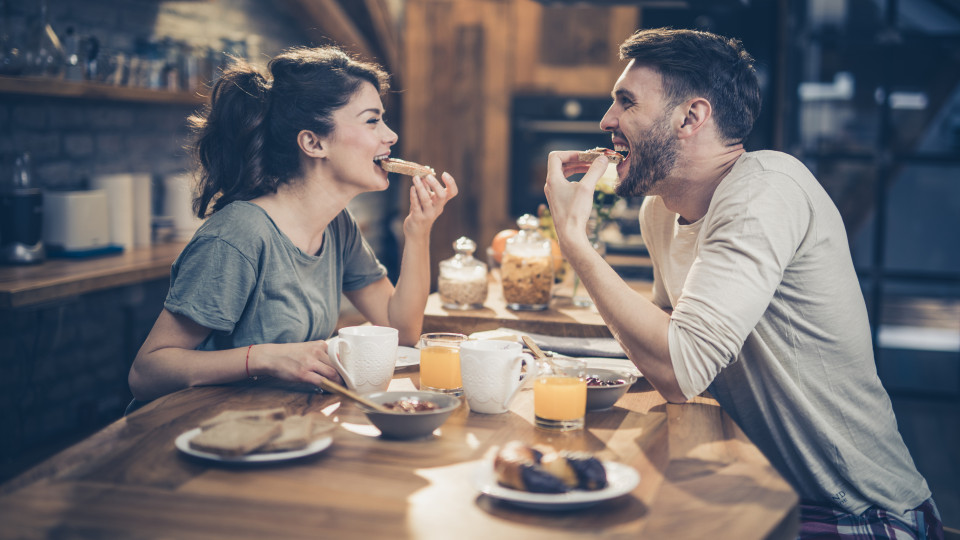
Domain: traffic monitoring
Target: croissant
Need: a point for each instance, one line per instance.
(541, 469)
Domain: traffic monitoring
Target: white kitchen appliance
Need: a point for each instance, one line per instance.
(76, 221)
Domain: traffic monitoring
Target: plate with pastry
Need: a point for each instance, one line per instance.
(542, 478)
(256, 437)
(407, 356)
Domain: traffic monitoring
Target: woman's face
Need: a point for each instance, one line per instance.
(359, 137)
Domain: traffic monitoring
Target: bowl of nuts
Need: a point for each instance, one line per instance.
(606, 386)
(411, 414)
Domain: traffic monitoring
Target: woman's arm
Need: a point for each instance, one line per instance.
(402, 307)
(168, 361)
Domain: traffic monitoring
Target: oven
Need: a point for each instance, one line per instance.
(541, 124)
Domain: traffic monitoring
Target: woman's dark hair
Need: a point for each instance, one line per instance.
(701, 64)
(246, 141)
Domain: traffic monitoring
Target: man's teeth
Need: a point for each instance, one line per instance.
(621, 148)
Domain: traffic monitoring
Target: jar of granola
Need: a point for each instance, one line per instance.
(527, 267)
(462, 282)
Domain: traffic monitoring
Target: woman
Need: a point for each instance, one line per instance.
(258, 287)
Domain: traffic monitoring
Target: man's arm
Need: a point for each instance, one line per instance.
(640, 326)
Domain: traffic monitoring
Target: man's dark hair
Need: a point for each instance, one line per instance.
(700, 64)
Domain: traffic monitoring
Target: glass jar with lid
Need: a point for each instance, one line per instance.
(527, 267)
(462, 282)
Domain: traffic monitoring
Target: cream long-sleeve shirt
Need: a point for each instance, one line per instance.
(768, 313)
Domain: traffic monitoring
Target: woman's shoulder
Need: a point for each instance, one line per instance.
(241, 224)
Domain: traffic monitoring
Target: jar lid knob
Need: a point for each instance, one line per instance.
(528, 222)
(464, 245)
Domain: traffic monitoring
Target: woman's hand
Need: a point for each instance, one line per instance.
(571, 202)
(297, 362)
(428, 196)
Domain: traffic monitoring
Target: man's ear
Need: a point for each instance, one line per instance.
(691, 116)
(311, 144)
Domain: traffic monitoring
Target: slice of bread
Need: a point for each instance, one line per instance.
(297, 434)
(590, 155)
(408, 168)
(237, 437)
(259, 414)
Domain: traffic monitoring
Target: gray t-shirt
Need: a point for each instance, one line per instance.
(244, 279)
(768, 312)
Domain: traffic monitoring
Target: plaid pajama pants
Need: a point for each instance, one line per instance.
(826, 523)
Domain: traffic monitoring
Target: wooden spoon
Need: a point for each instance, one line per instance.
(327, 384)
(537, 353)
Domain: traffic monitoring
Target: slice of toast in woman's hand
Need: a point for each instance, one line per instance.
(590, 155)
(276, 413)
(236, 437)
(408, 168)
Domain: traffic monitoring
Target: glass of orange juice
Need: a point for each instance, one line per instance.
(440, 362)
(560, 394)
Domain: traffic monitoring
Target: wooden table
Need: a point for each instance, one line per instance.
(562, 318)
(700, 477)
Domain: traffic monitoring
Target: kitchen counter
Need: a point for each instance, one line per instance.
(62, 278)
(562, 318)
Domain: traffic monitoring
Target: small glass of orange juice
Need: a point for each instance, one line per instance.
(440, 362)
(560, 394)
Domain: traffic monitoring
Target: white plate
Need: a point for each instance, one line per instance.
(621, 479)
(620, 364)
(183, 444)
(408, 356)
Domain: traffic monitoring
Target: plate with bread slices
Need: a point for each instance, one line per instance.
(541, 478)
(257, 436)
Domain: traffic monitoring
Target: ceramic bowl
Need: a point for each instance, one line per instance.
(600, 398)
(410, 425)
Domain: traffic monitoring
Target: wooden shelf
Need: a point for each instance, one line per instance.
(44, 86)
(62, 278)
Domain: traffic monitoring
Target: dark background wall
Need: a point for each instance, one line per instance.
(65, 364)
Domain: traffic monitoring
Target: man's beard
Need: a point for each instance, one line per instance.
(652, 158)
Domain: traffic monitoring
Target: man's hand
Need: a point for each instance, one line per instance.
(571, 202)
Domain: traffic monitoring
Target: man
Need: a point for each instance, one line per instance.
(755, 294)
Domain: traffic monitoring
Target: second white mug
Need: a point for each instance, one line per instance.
(365, 356)
(491, 373)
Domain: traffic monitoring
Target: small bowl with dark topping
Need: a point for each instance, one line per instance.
(606, 386)
(412, 414)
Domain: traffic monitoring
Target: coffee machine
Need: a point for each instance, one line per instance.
(21, 216)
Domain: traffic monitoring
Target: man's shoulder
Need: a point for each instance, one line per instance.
(751, 164)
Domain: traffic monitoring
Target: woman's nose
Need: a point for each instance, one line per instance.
(391, 136)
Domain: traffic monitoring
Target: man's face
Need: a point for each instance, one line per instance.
(639, 122)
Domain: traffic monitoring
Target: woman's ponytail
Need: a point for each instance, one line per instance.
(230, 141)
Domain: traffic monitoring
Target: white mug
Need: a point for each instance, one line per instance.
(491, 373)
(365, 356)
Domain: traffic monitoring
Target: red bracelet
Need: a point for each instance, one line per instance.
(248, 363)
